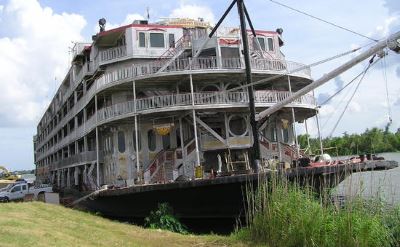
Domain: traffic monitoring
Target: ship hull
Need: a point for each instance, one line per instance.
(219, 198)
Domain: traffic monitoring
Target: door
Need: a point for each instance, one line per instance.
(16, 193)
(166, 141)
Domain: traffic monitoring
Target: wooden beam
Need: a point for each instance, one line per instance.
(208, 128)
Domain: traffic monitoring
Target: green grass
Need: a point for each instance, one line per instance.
(284, 214)
(39, 224)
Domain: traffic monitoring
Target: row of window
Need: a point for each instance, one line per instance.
(267, 44)
(155, 40)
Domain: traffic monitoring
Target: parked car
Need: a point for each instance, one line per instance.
(18, 190)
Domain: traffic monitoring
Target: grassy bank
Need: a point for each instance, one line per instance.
(285, 214)
(39, 224)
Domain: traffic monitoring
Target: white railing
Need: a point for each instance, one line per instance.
(211, 63)
(146, 69)
(113, 53)
(86, 69)
(205, 98)
(88, 156)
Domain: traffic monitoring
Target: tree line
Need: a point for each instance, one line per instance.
(372, 141)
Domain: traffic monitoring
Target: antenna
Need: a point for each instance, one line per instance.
(148, 13)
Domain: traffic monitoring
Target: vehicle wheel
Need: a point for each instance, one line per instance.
(6, 199)
(40, 197)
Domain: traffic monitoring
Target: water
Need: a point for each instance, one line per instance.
(381, 184)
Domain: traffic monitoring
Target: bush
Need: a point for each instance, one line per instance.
(163, 218)
(289, 215)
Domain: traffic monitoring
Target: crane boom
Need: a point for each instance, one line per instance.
(393, 42)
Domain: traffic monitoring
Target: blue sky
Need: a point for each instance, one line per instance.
(35, 36)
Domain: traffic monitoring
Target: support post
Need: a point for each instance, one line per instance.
(97, 145)
(319, 134)
(294, 122)
(136, 133)
(308, 136)
(321, 148)
(182, 146)
(255, 154)
(194, 115)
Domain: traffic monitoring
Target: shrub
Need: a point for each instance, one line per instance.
(163, 218)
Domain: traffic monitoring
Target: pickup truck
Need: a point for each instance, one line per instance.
(18, 190)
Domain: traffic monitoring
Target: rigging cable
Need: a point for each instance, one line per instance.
(344, 96)
(338, 106)
(351, 98)
(386, 87)
(301, 68)
(340, 90)
(325, 21)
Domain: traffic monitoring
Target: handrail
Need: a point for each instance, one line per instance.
(113, 53)
(182, 43)
(203, 98)
(135, 71)
(150, 68)
(145, 69)
(155, 162)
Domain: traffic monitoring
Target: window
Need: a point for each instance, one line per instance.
(285, 135)
(171, 40)
(262, 43)
(121, 142)
(142, 39)
(151, 139)
(16, 188)
(134, 140)
(166, 142)
(274, 136)
(237, 125)
(23, 187)
(270, 44)
(157, 40)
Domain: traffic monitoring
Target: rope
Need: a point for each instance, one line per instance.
(352, 96)
(387, 89)
(325, 21)
(339, 91)
(298, 69)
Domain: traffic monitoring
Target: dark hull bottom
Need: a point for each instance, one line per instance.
(219, 199)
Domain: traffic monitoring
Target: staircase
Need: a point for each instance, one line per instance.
(161, 168)
(172, 53)
(255, 51)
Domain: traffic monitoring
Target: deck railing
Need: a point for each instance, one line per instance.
(151, 68)
(203, 98)
(84, 157)
(113, 53)
(210, 63)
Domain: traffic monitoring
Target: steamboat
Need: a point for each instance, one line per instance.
(177, 111)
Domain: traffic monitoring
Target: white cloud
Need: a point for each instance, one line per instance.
(129, 18)
(327, 110)
(384, 29)
(354, 107)
(193, 11)
(32, 58)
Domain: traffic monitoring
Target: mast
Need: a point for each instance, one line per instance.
(255, 151)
